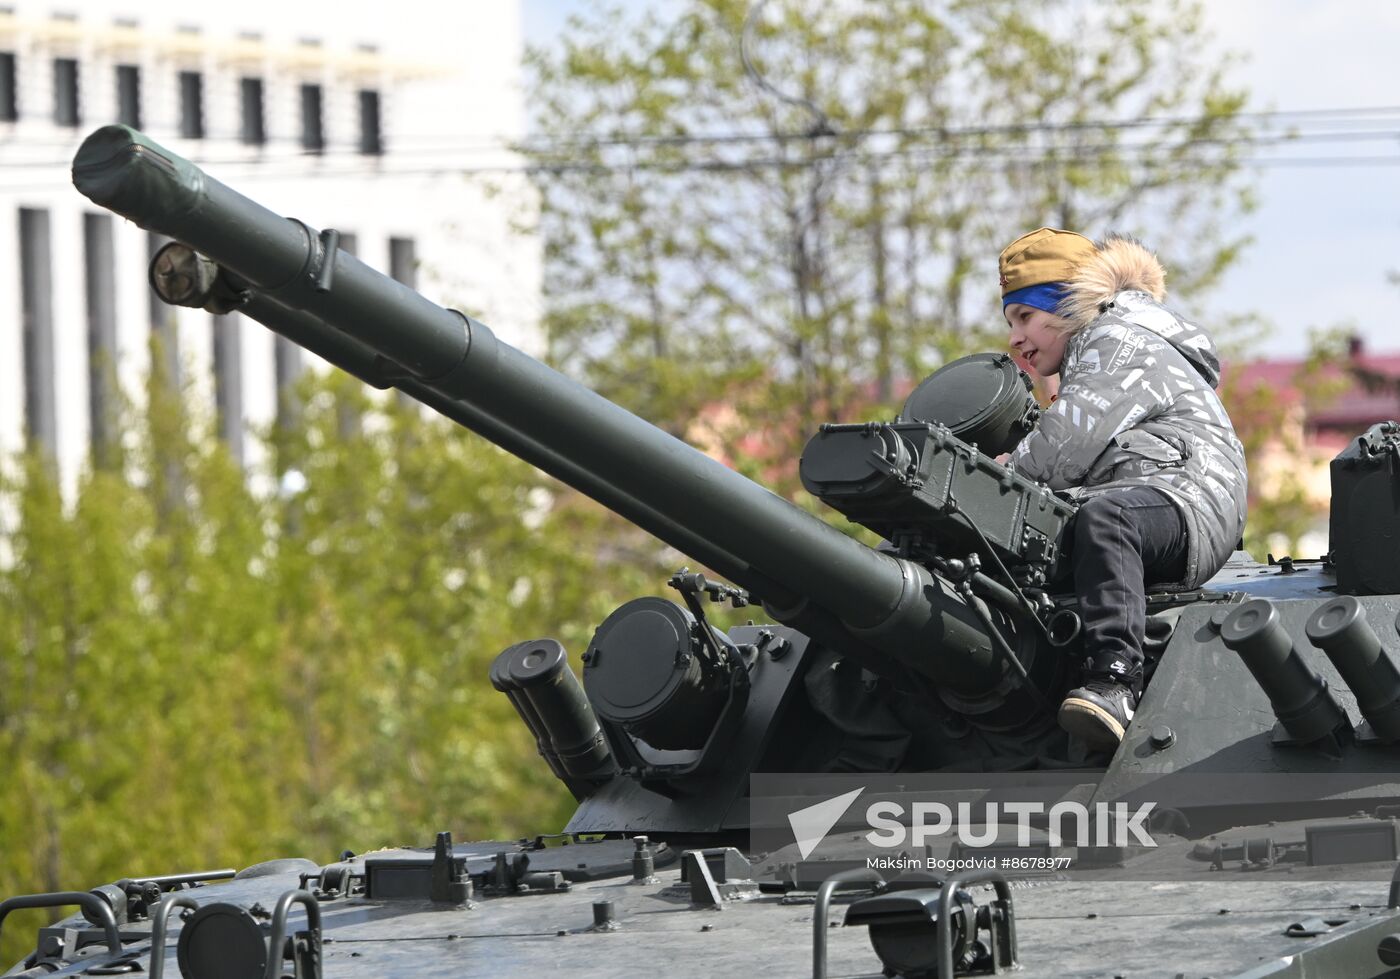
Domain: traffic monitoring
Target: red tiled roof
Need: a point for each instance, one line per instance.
(1353, 408)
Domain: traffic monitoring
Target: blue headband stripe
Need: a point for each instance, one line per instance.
(1046, 296)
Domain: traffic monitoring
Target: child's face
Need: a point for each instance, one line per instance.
(1037, 338)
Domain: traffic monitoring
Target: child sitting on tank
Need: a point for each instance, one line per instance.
(1136, 434)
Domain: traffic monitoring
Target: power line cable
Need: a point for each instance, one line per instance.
(1007, 165)
(1003, 164)
(1078, 155)
(1145, 122)
(503, 142)
(947, 150)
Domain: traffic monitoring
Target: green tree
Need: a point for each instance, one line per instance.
(193, 673)
(1273, 425)
(799, 257)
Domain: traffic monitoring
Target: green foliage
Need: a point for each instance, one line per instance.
(1272, 424)
(193, 674)
(822, 257)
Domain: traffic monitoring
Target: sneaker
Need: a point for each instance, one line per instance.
(1098, 712)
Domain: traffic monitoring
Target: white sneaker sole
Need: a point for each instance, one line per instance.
(1092, 724)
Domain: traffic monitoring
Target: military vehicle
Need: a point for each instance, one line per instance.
(1267, 734)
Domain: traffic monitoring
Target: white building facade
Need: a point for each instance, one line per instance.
(390, 128)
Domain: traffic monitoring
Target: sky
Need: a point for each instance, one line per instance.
(1325, 234)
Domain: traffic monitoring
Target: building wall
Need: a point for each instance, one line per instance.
(447, 79)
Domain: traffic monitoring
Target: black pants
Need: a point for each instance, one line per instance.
(1123, 541)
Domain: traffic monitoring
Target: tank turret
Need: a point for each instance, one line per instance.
(923, 606)
(1263, 750)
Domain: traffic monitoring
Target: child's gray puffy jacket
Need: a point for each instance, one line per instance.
(1137, 407)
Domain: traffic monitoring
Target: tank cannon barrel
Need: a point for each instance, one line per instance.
(805, 571)
(360, 361)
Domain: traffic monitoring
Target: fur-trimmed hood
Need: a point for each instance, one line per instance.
(1123, 281)
(1119, 264)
